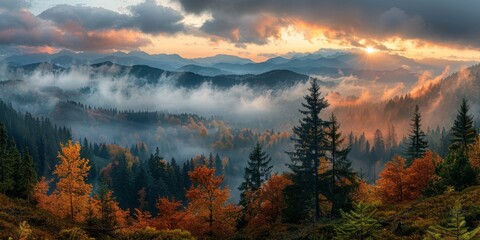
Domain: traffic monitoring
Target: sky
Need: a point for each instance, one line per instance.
(255, 29)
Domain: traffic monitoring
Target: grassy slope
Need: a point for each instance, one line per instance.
(400, 221)
(43, 224)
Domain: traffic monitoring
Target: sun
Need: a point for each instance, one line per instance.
(370, 50)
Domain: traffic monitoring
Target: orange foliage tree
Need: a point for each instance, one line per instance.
(268, 202)
(392, 181)
(398, 183)
(213, 217)
(40, 194)
(143, 220)
(366, 193)
(420, 173)
(71, 197)
(170, 216)
(72, 190)
(474, 153)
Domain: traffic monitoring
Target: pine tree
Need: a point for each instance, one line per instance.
(309, 148)
(210, 161)
(359, 223)
(463, 132)
(258, 169)
(109, 210)
(417, 145)
(455, 229)
(379, 145)
(7, 164)
(341, 178)
(218, 166)
(25, 177)
(455, 170)
(156, 165)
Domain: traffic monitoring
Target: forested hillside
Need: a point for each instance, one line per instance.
(105, 190)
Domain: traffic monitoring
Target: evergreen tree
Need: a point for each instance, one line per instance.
(341, 178)
(25, 177)
(417, 145)
(7, 163)
(309, 148)
(455, 170)
(256, 173)
(218, 166)
(455, 229)
(258, 169)
(463, 132)
(156, 165)
(359, 223)
(210, 161)
(378, 146)
(108, 208)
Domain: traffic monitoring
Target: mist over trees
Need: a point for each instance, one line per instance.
(106, 187)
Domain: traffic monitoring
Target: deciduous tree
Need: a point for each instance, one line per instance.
(268, 205)
(208, 204)
(392, 183)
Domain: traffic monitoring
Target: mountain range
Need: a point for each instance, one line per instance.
(337, 64)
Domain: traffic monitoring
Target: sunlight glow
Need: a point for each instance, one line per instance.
(370, 50)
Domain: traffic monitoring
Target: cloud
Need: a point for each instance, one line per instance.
(14, 4)
(426, 81)
(22, 28)
(245, 29)
(441, 21)
(84, 28)
(150, 17)
(147, 17)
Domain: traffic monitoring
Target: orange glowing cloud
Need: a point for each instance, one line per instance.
(426, 81)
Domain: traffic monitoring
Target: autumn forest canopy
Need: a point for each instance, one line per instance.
(188, 119)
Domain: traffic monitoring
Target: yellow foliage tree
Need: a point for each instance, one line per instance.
(72, 190)
(71, 197)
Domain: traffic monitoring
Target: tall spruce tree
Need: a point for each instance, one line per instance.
(456, 171)
(309, 147)
(463, 132)
(25, 177)
(341, 178)
(257, 171)
(7, 164)
(218, 165)
(417, 145)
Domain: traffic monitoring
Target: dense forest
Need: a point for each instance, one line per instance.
(336, 185)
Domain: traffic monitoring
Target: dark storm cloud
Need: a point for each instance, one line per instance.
(445, 21)
(147, 17)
